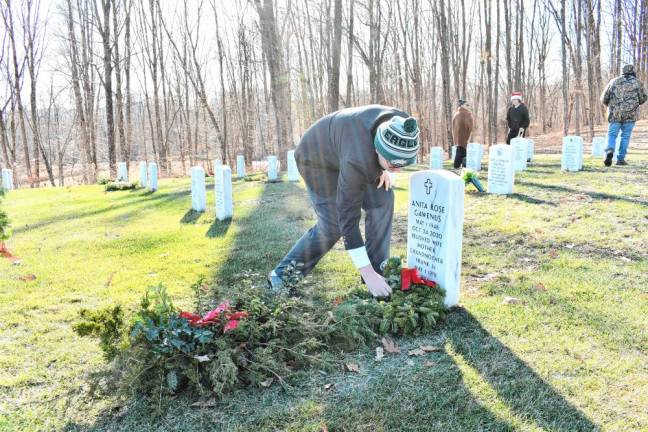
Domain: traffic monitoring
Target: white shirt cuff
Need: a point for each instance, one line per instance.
(359, 257)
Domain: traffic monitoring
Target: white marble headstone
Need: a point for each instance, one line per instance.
(473, 156)
(143, 174)
(223, 192)
(7, 179)
(198, 189)
(530, 149)
(435, 229)
(152, 176)
(240, 166)
(501, 170)
(454, 152)
(122, 172)
(520, 153)
(598, 147)
(293, 172)
(436, 158)
(273, 168)
(572, 153)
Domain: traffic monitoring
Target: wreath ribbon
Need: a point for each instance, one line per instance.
(411, 276)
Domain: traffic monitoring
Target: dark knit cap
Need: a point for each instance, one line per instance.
(629, 70)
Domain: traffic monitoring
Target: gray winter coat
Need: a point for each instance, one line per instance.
(622, 96)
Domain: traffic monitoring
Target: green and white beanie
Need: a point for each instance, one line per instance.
(397, 140)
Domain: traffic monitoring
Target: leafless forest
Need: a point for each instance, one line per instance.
(88, 83)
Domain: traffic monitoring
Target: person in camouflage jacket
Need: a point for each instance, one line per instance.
(622, 96)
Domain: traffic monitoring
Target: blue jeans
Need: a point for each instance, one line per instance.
(378, 206)
(613, 132)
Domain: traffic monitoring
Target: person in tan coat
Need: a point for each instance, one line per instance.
(462, 127)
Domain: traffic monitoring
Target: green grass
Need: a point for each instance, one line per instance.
(573, 357)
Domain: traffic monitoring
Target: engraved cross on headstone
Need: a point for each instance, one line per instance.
(428, 186)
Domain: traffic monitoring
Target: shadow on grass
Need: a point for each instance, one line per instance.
(218, 228)
(265, 234)
(516, 384)
(595, 195)
(531, 200)
(148, 199)
(191, 217)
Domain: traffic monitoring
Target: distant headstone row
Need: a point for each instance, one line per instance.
(7, 179)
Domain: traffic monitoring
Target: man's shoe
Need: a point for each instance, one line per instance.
(275, 283)
(608, 159)
(622, 162)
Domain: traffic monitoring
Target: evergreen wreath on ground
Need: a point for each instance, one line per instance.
(4, 220)
(252, 339)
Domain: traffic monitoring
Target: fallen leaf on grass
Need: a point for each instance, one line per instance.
(352, 367)
(202, 358)
(553, 253)
(389, 345)
(512, 300)
(429, 364)
(540, 287)
(410, 362)
(209, 403)
(324, 428)
(416, 352)
(430, 348)
(379, 354)
(328, 386)
(28, 277)
(109, 280)
(267, 383)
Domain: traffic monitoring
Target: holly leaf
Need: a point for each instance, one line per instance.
(379, 354)
(389, 345)
(352, 367)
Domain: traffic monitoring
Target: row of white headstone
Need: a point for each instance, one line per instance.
(7, 179)
(223, 183)
(436, 204)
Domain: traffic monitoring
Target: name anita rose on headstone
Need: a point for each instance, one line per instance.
(501, 172)
(436, 158)
(435, 229)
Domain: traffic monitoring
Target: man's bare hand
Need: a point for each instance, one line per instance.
(385, 180)
(375, 283)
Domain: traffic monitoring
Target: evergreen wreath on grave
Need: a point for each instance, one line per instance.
(471, 177)
(252, 339)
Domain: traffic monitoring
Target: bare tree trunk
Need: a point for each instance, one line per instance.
(334, 67)
(124, 145)
(279, 76)
(7, 17)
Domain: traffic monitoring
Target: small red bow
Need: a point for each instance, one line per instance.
(410, 276)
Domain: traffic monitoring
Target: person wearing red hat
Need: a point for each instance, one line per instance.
(517, 118)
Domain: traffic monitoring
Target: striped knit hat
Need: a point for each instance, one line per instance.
(397, 140)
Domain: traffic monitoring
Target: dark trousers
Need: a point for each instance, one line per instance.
(378, 206)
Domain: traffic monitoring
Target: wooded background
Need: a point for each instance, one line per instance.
(88, 83)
